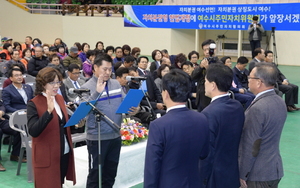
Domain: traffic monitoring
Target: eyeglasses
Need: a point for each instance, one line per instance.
(255, 78)
(54, 83)
(75, 73)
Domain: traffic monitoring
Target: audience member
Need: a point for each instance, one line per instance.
(260, 163)
(16, 95)
(241, 72)
(27, 55)
(28, 43)
(241, 94)
(72, 58)
(188, 67)
(171, 158)
(46, 50)
(18, 47)
(15, 59)
(110, 51)
(126, 50)
(52, 149)
(87, 65)
(79, 47)
(165, 53)
(100, 47)
(259, 56)
(161, 72)
(119, 55)
(5, 128)
(73, 81)
(179, 60)
(135, 52)
(166, 60)
(6, 52)
(8, 80)
(194, 57)
(55, 63)
(156, 56)
(111, 97)
(290, 90)
(128, 61)
(36, 42)
(61, 52)
(58, 42)
(37, 62)
(226, 119)
(85, 48)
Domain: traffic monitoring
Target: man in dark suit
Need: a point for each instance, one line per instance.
(259, 56)
(260, 163)
(177, 140)
(16, 95)
(226, 118)
(240, 71)
(290, 90)
(153, 92)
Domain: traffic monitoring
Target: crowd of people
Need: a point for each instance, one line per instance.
(231, 134)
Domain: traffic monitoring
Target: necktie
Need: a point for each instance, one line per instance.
(76, 85)
(145, 73)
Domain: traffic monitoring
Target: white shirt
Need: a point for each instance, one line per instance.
(219, 96)
(176, 107)
(22, 93)
(259, 94)
(59, 113)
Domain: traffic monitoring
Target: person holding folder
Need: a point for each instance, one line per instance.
(52, 151)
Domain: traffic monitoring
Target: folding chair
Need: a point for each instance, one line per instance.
(28, 78)
(19, 118)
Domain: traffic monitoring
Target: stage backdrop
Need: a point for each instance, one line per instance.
(284, 17)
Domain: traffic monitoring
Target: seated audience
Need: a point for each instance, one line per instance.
(85, 48)
(126, 50)
(27, 55)
(55, 63)
(18, 47)
(87, 65)
(37, 62)
(240, 71)
(194, 57)
(165, 53)
(241, 94)
(188, 67)
(109, 50)
(156, 56)
(6, 52)
(161, 72)
(46, 50)
(15, 59)
(135, 52)
(128, 61)
(179, 60)
(119, 55)
(16, 95)
(72, 58)
(100, 47)
(8, 81)
(290, 90)
(259, 56)
(61, 52)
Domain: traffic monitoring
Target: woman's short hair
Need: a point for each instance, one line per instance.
(161, 68)
(46, 75)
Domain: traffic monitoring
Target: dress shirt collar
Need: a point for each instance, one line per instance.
(257, 59)
(259, 94)
(176, 107)
(219, 96)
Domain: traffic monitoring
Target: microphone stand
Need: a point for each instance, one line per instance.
(98, 114)
(147, 99)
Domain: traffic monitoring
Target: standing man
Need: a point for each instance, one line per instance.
(111, 96)
(226, 119)
(255, 31)
(259, 158)
(199, 73)
(172, 158)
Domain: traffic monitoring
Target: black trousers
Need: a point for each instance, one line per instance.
(263, 184)
(291, 93)
(254, 44)
(5, 128)
(110, 154)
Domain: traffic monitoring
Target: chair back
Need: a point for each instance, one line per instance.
(28, 78)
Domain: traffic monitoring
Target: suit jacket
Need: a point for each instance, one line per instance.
(242, 78)
(252, 64)
(68, 84)
(154, 66)
(12, 99)
(142, 74)
(175, 145)
(259, 155)
(226, 119)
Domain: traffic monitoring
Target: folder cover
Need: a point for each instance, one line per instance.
(132, 99)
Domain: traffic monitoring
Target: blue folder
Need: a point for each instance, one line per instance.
(81, 112)
(132, 99)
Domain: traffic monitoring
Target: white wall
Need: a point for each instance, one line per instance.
(17, 24)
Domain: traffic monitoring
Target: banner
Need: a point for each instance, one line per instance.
(285, 16)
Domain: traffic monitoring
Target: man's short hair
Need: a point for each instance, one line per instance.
(90, 53)
(188, 63)
(51, 57)
(268, 52)
(165, 51)
(102, 57)
(206, 42)
(139, 59)
(10, 72)
(19, 65)
(118, 47)
(267, 73)
(129, 58)
(242, 60)
(221, 74)
(120, 71)
(178, 84)
(255, 18)
(132, 69)
(73, 66)
(257, 51)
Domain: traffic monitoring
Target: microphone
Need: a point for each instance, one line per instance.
(78, 91)
(135, 78)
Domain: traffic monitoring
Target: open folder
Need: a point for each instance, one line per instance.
(81, 112)
(132, 99)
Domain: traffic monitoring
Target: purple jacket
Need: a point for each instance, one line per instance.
(82, 56)
(87, 68)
